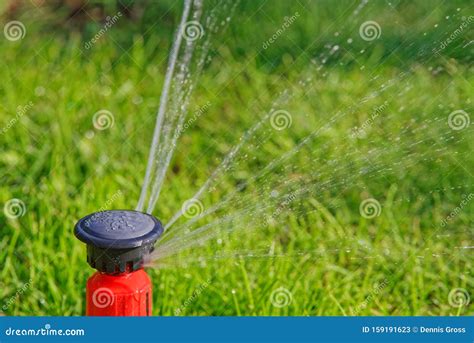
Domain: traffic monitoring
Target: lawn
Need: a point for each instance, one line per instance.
(291, 236)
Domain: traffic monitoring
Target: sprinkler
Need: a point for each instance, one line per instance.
(118, 241)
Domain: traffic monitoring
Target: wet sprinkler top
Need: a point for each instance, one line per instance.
(118, 240)
(119, 229)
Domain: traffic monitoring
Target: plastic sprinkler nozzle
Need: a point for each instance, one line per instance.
(117, 243)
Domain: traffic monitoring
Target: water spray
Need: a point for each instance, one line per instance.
(118, 242)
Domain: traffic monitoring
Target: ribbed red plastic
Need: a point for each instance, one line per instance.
(127, 294)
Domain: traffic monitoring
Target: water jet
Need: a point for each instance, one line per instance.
(118, 241)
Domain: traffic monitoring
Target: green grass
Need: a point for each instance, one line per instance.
(330, 259)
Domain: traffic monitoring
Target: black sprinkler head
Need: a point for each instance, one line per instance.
(118, 240)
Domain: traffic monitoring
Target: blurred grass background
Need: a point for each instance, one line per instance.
(54, 160)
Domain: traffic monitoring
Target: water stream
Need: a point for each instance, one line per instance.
(281, 183)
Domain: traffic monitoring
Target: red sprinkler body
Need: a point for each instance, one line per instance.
(117, 243)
